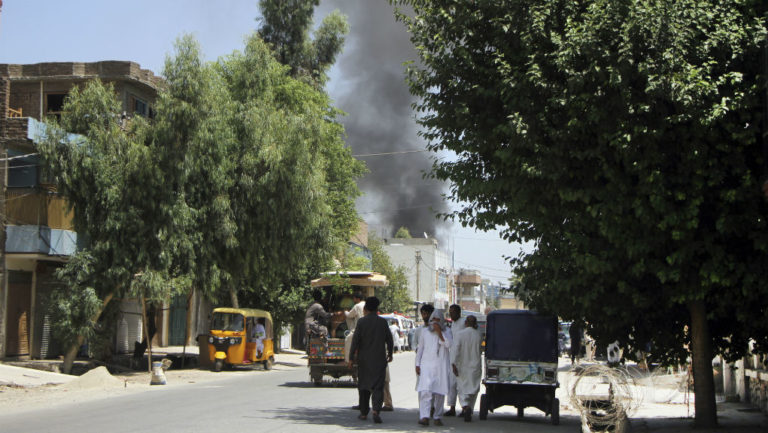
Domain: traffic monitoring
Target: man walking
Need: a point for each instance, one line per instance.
(467, 366)
(372, 349)
(433, 368)
(353, 315)
(575, 333)
(457, 324)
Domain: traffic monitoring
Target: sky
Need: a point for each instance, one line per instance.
(367, 82)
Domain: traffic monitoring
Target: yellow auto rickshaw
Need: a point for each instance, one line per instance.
(235, 338)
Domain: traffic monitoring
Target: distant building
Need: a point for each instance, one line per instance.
(428, 269)
(493, 292)
(358, 243)
(508, 301)
(469, 290)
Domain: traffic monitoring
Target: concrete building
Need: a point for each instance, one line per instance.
(493, 292)
(508, 301)
(469, 290)
(38, 236)
(428, 268)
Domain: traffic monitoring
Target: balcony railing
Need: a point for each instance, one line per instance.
(28, 206)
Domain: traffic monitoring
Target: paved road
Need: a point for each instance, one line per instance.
(273, 401)
(283, 400)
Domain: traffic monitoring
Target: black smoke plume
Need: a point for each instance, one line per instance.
(368, 82)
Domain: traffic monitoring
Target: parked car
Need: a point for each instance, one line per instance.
(406, 327)
(564, 338)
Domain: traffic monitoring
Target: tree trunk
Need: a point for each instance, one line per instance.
(703, 378)
(69, 357)
(233, 298)
(188, 325)
(146, 333)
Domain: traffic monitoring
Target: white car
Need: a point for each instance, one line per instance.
(405, 327)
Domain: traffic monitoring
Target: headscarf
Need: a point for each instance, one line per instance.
(438, 314)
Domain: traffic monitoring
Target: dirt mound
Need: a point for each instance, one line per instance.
(97, 378)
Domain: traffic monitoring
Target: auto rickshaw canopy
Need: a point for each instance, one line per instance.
(248, 313)
(353, 278)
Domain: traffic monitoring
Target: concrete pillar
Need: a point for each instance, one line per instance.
(729, 382)
(5, 94)
(740, 380)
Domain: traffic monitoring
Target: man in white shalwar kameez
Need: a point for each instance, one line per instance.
(259, 334)
(467, 365)
(457, 324)
(352, 316)
(433, 368)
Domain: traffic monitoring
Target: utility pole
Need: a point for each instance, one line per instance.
(418, 274)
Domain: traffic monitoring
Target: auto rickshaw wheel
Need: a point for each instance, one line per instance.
(520, 411)
(268, 363)
(555, 412)
(483, 407)
(218, 365)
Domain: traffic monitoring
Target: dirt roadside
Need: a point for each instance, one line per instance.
(99, 384)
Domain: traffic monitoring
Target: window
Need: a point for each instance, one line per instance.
(140, 107)
(442, 282)
(54, 103)
(22, 172)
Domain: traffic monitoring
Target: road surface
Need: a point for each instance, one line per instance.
(281, 400)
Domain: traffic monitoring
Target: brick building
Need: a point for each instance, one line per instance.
(37, 235)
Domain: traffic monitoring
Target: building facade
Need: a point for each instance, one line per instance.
(428, 269)
(38, 236)
(469, 290)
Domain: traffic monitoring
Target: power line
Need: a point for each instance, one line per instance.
(397, 209)
(480, 239)
(388, 153)
(483, 267)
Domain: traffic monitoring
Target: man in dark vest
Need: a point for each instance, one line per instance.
(372, 347)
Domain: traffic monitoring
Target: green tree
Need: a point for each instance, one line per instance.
(295, 187)
(623, 138)
(403, 233)
(108, 175)
(285, 27)
(242, 186)
(192, 140)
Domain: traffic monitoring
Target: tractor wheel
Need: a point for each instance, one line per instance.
(316, 375)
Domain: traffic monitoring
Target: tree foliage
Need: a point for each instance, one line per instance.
(403, 233)
(240, 186)
(623, 138)
(285, 27)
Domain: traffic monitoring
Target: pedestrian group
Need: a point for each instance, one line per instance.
(448, 361)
